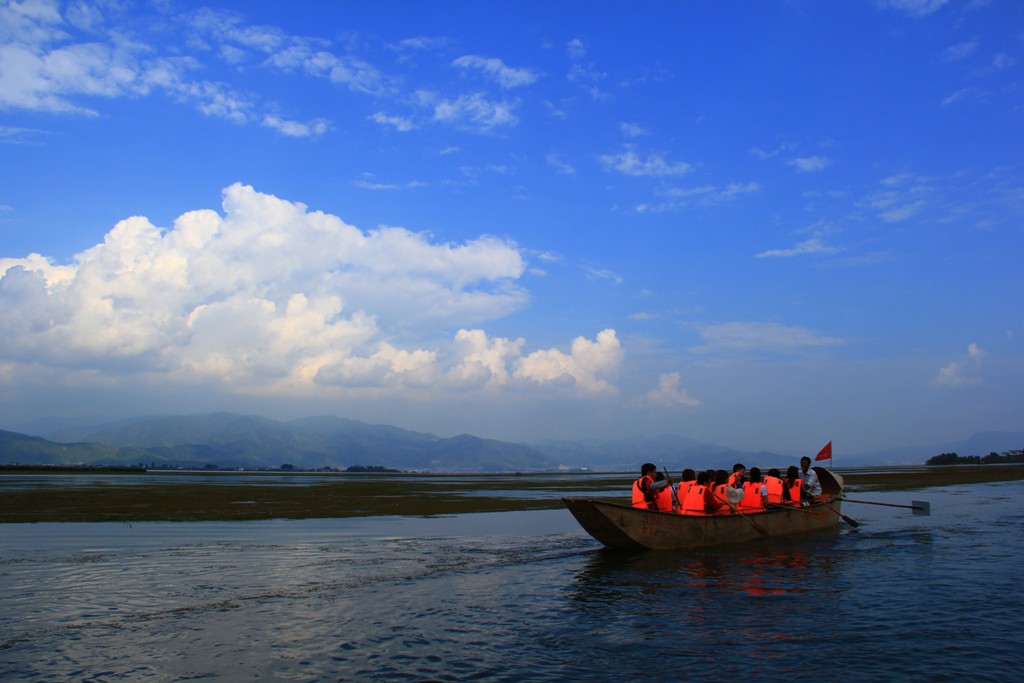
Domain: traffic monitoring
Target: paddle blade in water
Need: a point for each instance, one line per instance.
(921, 508)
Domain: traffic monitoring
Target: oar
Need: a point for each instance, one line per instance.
(760, 529)
(852, 522)
(849, 520)
(920, 507)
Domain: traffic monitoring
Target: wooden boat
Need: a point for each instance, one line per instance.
(619, 525)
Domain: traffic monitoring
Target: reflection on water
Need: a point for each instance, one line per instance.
(513, 596)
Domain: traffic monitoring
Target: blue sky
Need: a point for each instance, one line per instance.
(762, 225)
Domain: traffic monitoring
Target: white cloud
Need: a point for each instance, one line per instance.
(628, 162)
(368, 185)
(296, 129)
(482, 362)
(968, 94)
(904, 197)
(632, 130)
(814, 245)
(400, 123)
(772, 337)
(704, 195)
(57, 63)
(810, 164)
(1003, 61)
(913, 8)
(668, 393)
(584, 367)
(554, 161)
(958, 374)
(505, 76)
(474, 111)
(575, 49)
(955, 53)
(953, 376)
(603, 274)
(271, 298)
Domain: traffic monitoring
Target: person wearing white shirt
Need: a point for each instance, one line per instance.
(811, 484)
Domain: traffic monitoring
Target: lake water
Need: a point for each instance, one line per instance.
(518, 596)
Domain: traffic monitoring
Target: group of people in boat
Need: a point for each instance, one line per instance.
(716, 492)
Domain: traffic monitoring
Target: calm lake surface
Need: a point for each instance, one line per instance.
(518, 596)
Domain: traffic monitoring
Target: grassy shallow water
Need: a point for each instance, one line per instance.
(184, 497)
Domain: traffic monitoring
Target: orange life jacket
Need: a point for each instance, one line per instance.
(723, 498)
(774, 485)
(795, 491)
(641, 493)
(732, 478)
(663, 499)
(693, 503)
(682, 491)
(752, 501)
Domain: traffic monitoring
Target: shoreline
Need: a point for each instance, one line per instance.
(336, 497)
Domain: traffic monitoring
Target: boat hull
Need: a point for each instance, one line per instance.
(623, 526)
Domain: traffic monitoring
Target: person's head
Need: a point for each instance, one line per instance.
(647, 470)
(738, 467)
(792, 473)
(721, 477)
(702, 479)
(711, 477)
(774, 472)
(689, 475)
(805, 462)
(755, 474)
(659, 476)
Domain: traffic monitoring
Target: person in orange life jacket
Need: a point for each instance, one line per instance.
(811, 485)
(738, 472)
(773, 482)
(792, 486)
(755, 493)
(663, 496)
(694, 501)
(716, 496)
(645, 487)
(687, 480)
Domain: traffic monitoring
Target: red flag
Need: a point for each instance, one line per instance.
(825, 453)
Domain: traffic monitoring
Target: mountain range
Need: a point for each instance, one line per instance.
(228, 440)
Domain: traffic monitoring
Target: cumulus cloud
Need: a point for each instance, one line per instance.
(270, 297)
(958, 374)
(584, 367)
(669, 394)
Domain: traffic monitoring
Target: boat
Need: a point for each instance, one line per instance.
(623, 526)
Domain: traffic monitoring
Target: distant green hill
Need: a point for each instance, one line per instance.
(31, 450)
(230, 440)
